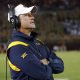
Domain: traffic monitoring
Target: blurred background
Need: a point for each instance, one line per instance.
(58, 23)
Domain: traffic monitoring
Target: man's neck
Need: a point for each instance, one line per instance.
(26, 31)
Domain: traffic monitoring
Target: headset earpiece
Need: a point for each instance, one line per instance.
(14, 20)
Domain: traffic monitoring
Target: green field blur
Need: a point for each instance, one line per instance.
(71, 61)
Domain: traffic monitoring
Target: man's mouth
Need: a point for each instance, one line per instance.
(32, 21)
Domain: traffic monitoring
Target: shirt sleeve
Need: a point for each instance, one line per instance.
(56, 63)
(25, 59)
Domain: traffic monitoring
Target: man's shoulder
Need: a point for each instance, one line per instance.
(15, 42)
(12, 39)
(39, 40)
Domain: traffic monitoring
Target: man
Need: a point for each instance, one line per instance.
(29, 58)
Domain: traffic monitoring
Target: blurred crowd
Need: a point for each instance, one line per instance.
(57, 4)
(2, 47)
(72, 26)
(62, 19)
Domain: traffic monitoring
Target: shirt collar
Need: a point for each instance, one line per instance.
(20, 34)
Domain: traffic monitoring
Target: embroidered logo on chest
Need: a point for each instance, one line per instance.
(24, 55)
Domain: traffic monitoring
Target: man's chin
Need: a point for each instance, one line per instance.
(31, 29)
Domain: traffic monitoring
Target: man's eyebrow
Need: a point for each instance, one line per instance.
(28, 14)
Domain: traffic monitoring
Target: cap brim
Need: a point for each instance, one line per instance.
(34, 9)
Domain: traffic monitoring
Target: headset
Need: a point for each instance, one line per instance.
(13, 19)
(15, 22)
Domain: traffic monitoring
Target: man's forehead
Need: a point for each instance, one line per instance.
(27, 13)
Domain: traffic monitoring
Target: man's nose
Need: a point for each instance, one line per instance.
(32, 17)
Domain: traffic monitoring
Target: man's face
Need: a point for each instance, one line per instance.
(27, 21)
